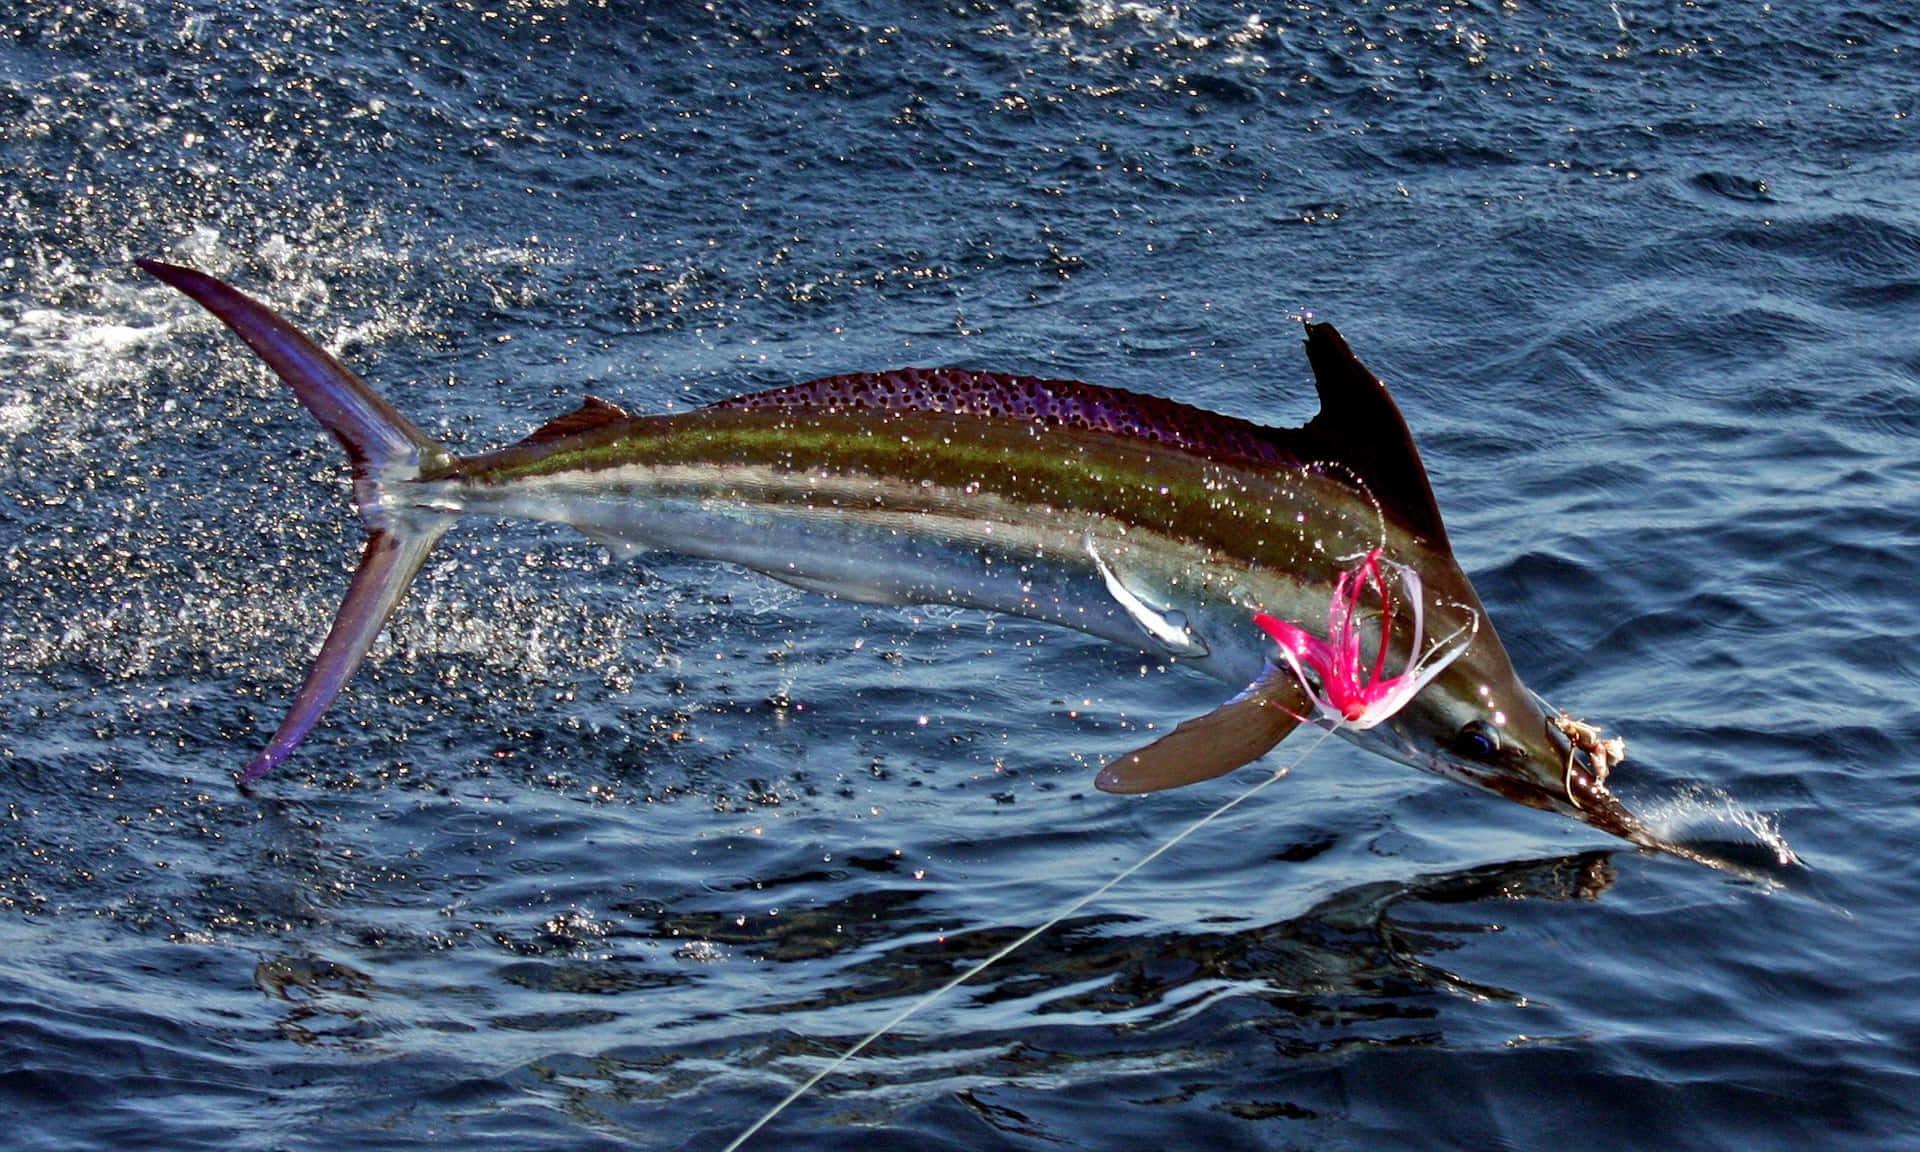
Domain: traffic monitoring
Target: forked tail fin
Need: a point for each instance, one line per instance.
(385, 449)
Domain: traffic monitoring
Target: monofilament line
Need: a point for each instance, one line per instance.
(914, 1008)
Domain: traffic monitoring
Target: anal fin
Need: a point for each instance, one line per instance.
(1237, 733)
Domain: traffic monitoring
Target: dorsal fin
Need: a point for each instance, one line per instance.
(592, 413)
(999, 395)
(1360, 427)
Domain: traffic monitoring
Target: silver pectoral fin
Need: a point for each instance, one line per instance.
(1238, 732)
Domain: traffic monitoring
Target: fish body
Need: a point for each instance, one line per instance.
(1073, 527)
(1132, 518)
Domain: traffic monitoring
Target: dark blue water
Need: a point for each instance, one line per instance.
(602, 855)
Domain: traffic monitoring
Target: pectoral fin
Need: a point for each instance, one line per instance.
(1238, 732)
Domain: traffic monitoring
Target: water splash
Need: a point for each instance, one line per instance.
(1713, 827)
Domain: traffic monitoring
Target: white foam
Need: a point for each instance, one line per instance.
(16, 415)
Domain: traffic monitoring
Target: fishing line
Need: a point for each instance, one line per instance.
(914, 1008)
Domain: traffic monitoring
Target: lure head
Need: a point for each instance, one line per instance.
(1475, 722)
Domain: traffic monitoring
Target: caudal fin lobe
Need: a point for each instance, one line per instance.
(385, 449)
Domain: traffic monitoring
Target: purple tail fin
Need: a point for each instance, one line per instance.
(385, 448)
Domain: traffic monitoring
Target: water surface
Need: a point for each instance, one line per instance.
(601, 854)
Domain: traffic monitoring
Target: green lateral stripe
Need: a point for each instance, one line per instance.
(1260, 516)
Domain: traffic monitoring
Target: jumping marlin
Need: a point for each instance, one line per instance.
(1200, 538)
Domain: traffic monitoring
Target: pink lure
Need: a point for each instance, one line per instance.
(1344, 691)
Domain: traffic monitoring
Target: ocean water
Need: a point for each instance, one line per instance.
(606, 854)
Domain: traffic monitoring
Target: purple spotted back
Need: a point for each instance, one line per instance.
(996, 395)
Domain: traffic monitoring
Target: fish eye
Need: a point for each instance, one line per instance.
(1477, 740)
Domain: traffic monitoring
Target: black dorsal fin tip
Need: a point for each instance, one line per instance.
(1360, 427)
(592, 413)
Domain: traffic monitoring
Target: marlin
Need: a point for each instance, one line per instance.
(1199, 538)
